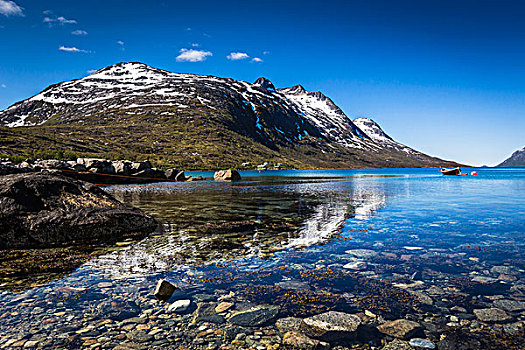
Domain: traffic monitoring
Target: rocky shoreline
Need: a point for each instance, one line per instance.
(95, 170)
(107, 172)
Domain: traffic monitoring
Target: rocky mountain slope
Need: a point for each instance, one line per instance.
(134, 111)
(516, 159)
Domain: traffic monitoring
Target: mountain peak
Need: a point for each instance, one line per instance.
(295, 90)
(373, 130)
(516, 159)
(126, 70)
(264, 83)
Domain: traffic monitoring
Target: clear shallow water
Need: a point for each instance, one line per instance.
(358, 236)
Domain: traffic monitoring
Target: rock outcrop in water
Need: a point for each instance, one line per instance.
(41, 210)
(227, 175)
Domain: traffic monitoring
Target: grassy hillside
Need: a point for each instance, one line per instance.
(190, 140)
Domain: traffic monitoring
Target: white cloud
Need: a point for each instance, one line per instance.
(3, 86)
(266, 52)
(71, 49)
(190, 55)
(10, 8)
(257, 59)
(79, 32)
(234, 56)
(91, 71)
(120, 42)
(51, 20)
(195, 45)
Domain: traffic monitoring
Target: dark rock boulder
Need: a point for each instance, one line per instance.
(43, 210)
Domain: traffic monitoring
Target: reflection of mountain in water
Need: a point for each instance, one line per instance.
(215, 221)
(366, 200)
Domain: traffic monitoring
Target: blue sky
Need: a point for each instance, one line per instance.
(444, 77)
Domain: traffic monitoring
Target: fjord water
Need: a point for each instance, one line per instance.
(344, 240)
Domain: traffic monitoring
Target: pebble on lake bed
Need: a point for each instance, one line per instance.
(422, 344)
(179, 306)
(356, 265)
(362, 253)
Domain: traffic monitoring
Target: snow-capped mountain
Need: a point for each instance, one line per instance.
(516, 159)
(285, 121)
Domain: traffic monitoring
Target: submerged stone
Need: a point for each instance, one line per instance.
(164, 290)
(139, 336)
(397, 344)
(356, 265)
(224, 306)
(330, 325)
(206, 312)
(402, 329)
(362, 253)
(492, 315)
(288, 324)
(255, 316)
(297, 340)
(118, 310)
(179, 306)
(510, 305)
(422, 344)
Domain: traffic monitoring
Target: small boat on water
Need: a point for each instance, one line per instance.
(455, 171)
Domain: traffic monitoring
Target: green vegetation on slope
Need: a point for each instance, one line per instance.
(187, 139)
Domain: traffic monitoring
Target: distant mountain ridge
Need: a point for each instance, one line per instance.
(516, 159)
(133, 109)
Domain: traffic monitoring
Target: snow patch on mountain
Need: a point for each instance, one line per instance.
(325, 115)
(374, 131)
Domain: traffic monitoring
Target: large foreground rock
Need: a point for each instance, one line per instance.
(42, 210)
